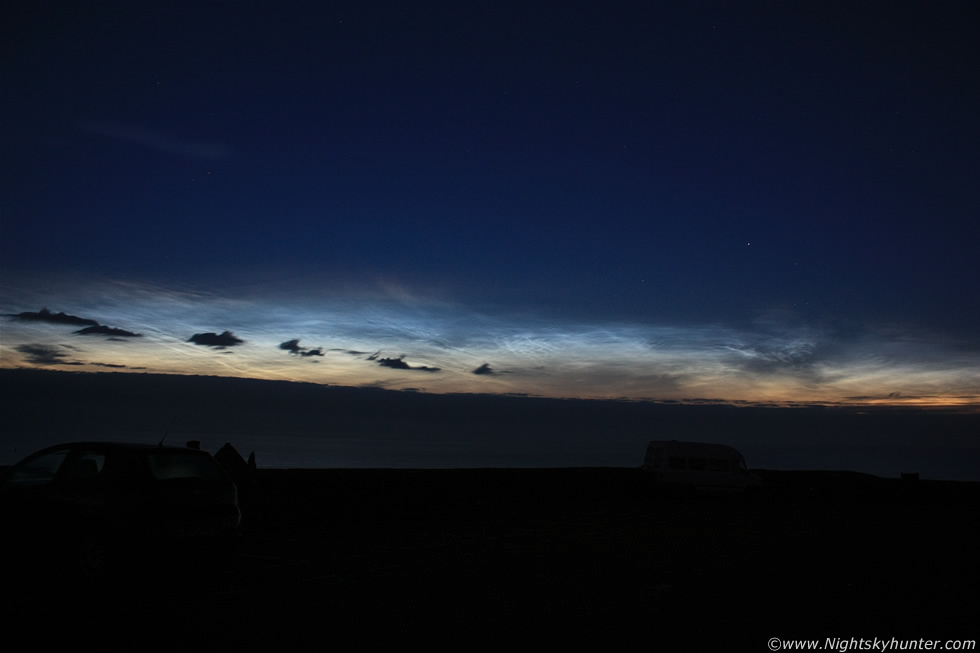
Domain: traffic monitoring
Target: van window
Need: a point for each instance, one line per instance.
(658, 457)
(717, 465)
(676, 462)
(697, 464)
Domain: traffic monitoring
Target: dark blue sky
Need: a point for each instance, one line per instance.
(751, 201)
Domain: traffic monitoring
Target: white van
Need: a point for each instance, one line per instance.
(699, 466)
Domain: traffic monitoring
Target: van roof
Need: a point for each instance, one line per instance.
(702, 448)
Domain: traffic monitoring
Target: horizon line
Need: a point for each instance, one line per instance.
(967, 404)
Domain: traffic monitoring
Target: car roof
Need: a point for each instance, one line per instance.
(122, 446)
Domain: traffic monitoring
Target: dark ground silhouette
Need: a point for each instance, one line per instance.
(568, 554)
(563, 556)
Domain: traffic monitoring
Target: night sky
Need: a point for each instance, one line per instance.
(743, 202)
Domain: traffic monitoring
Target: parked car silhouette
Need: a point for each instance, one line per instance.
(91, 509)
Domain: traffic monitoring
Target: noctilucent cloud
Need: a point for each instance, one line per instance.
(737, 202)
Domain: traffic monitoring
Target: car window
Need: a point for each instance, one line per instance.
(84, 467)
(172, 465)
(37, 471)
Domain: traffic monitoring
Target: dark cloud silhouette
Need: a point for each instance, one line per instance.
(44, 315)
(399, 364)
(112, 365)
(896, 396)
(45, 355)
(292, 346)
(107, 331)
(92, 328)
(486, 370)
(217, 340)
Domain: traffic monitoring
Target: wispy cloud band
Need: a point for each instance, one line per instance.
(772, 360)
(157, 140)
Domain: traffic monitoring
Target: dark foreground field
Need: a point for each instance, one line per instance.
(460, 557)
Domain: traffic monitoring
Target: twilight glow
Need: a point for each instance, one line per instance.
(444, 347)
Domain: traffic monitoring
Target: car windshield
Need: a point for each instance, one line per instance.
(166, 465)
(39, 470)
